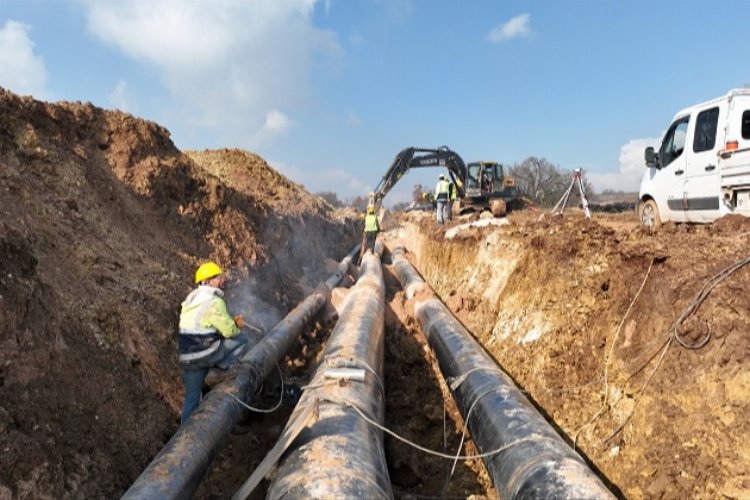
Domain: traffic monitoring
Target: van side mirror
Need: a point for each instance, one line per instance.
(652, 158)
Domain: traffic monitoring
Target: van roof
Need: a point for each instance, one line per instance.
(732, 93)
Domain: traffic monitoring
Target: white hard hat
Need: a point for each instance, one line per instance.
(442, 176)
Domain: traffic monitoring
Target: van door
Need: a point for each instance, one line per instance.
(702, 184)
(669, 180)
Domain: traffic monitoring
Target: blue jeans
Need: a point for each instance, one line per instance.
(193, 376)
(193, 379)
(440, 212)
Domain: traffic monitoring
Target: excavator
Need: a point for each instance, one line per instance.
(479, 185)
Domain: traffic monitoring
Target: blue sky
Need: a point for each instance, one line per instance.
(328, 91)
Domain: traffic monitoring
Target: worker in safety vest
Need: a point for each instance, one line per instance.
(372, 227)
(451, 200)
(441, 196)
(208, 337)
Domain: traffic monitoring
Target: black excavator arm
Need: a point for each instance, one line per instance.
(418, 158)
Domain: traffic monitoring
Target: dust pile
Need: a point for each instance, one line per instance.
(550, 298)
(103, 222)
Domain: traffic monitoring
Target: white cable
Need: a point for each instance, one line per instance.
(433, 452)
(262, 410)
(455, 382)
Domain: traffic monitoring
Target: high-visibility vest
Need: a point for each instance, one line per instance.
(441, 190)
(452, 191)
(204, 322)
(371, 223)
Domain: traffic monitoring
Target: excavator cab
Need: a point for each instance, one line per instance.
(485, 178)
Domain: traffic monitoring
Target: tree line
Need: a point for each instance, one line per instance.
(543, 182)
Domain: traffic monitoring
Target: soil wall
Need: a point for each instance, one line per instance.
(102, 223)
(550, 298)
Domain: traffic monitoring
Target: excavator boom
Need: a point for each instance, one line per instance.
(417, 158)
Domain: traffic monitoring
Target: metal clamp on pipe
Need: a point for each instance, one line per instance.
(541, 465)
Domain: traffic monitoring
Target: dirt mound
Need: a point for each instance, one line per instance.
(732, 223)
(104, 221)
(549, 298)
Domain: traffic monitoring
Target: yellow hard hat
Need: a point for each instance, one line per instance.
(370, 210)
(207, 271)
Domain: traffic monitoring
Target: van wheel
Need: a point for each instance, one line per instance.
(650, 215)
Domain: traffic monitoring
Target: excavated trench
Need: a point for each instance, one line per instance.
(545, 300)
(418, 407)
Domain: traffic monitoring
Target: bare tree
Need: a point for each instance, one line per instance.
(543, 182)
(332, 198)
(359, 203)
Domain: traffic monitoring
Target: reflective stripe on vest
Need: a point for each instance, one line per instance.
(371, 223)
(195, 342)
(202, 355)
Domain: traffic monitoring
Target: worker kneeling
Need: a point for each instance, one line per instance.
(209, 337)
(372, 227)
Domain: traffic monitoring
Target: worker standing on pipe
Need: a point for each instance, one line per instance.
(209, 337)
(372, 228)
(441, 196)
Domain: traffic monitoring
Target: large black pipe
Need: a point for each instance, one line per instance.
(340, 455)
(542, 465)
(179, 467)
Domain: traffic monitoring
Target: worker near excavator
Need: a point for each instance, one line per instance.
(441, 196)
(209, 338)
(372, 228)
(451, 200)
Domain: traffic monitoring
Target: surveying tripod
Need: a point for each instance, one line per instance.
(577, 181)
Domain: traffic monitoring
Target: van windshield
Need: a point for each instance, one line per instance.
(674, 141)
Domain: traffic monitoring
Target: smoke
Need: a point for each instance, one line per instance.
(257, 312)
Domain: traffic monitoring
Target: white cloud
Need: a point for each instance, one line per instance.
(518, 27)
(230, 65)
(631, 168)
(121, 97)
(344, 183)
(277, 124)
(21, 71)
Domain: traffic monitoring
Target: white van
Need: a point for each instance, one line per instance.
(702, 169)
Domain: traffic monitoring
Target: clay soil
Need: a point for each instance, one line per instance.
(102, 223)
(550, 298)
